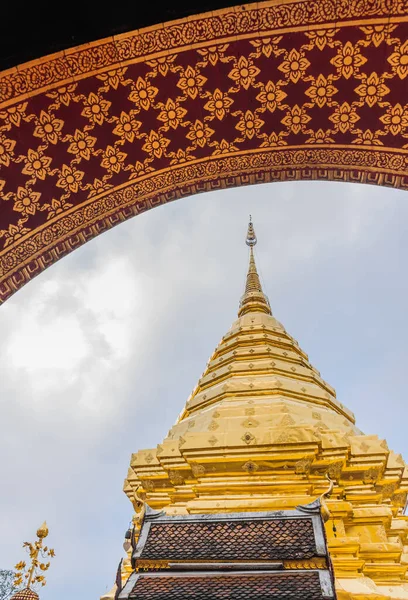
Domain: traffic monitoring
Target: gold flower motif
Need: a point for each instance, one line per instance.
(127, 127)
(140, 169)
(172, 114)
(372, 89)
(396, 119)
(319, 137)
(321, 37)
(213, 54)
(81, 144)
(199, 133)
(244, 72)
(274, 139)
(6, 150)
(295, 118)
(155, 144)
(249, 124)
(162, 64)
(191, 82)
(399, 60)
(48, 128)
(70, 178)
(13, 114)
(294, 65)
(143, 93)
(267, 46)
(348, 60)
(181, 156)
(367, 138)
(377, 33)
(56, 208)
(27, 201)
(344, 117)
(36, 164)
(97, 187)
(113, 159)
(113, 78)
(63, 95)
(14, 232)
(271, 96)
(224, 147)
(321, 91)
(218, 104)
(95, 109)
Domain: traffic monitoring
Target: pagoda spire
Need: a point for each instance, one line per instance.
(253, 299)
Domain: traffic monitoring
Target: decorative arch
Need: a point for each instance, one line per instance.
(279, 90)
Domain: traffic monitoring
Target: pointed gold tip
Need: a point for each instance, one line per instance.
(42, 532)
(253, 299)
(251, 237)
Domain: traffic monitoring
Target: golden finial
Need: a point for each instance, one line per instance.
(251, 237)
(253, 299)
(42, 532)
(32, 574)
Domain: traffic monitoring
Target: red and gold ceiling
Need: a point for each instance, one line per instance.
(283, 90)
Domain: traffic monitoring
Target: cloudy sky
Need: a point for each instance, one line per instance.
(99, 354)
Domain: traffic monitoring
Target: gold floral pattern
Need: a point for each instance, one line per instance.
(271, 96)
(344, 117)
(348, 60)
(191, 82)
(70, 179)
(321, 37)
(396, 119)
(372, 89)
(143, 93)
(244, 72)
(377, 34)
(36, 164)
(48, 128)
(127, 127)
(294, 66)
(27, 201)
(295, 118)
(155, 144)
(321, 90)
(218, 104)
(172, 114)
(6, 150)
(81, 144)
(399, 60)
(249, 124)
(95, 108)
(200, 133)
(113, 159)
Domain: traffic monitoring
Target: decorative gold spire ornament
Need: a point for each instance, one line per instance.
(253, 298)
(32, 575)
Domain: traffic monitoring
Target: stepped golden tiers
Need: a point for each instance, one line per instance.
(261, 431)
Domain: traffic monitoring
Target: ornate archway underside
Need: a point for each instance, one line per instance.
(294, 90)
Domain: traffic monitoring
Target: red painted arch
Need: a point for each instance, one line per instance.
(301, 89)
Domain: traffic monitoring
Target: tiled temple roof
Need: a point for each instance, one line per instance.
(232, 556)
(260, 586)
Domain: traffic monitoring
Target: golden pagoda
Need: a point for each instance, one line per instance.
(263, 431)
